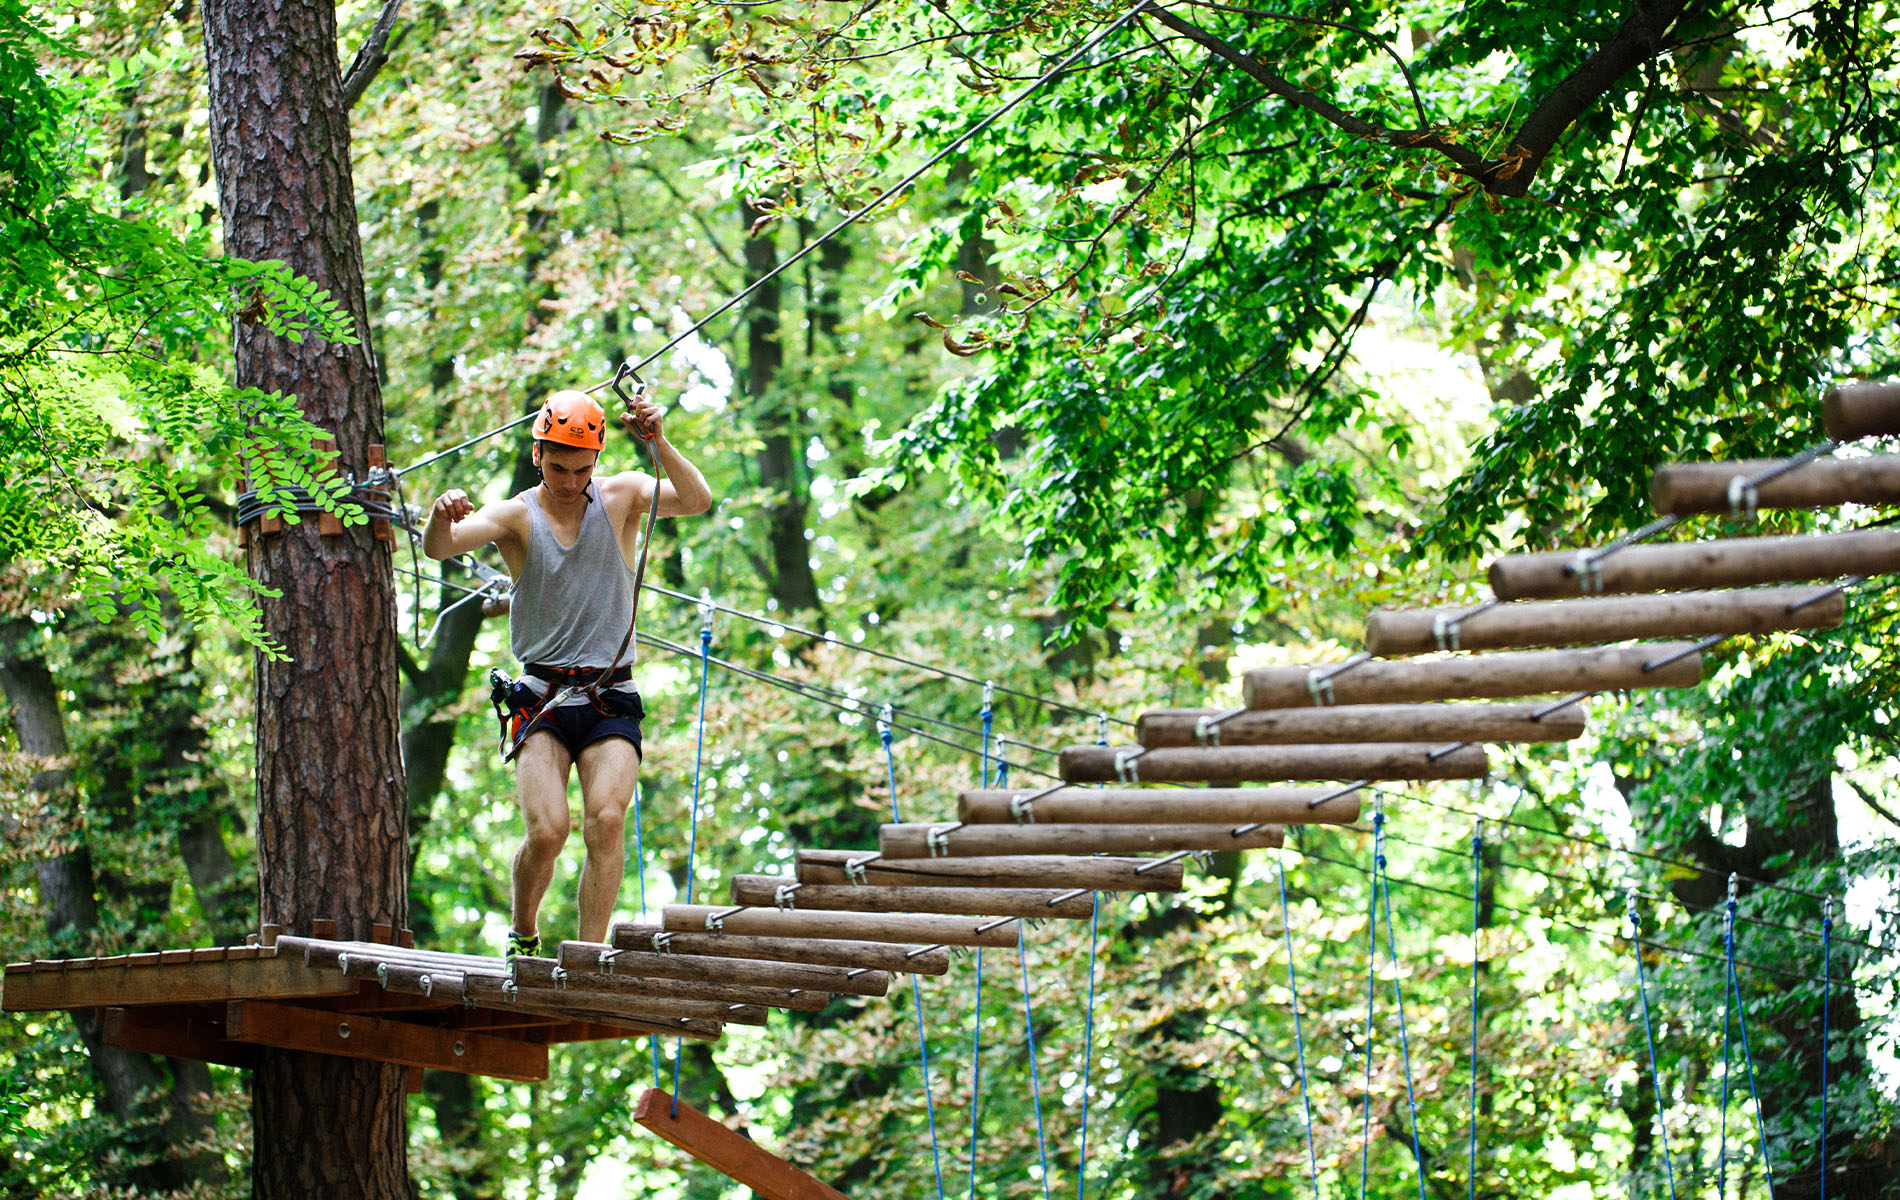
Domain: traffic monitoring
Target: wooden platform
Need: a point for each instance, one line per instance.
(222, 1003)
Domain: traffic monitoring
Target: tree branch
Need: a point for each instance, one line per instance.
(1867, 798)
(370, 56)
(1641, 37)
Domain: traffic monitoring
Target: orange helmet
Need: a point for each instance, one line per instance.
(572, 419)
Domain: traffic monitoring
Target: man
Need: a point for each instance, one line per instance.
(568, 542)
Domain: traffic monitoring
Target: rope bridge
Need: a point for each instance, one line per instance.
(848, 919)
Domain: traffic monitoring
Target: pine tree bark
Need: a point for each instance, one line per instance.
(331, 831)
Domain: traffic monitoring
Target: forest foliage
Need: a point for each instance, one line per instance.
(1243, 324)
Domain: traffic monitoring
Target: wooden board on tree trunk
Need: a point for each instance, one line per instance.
(184, 982)
(348, 1035)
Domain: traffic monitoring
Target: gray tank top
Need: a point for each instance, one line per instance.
(572, 604)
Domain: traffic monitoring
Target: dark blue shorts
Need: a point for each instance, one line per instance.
(578, 726)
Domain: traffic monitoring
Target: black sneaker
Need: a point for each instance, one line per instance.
(527, 945)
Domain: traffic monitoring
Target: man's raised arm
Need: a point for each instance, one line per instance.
(457, 527)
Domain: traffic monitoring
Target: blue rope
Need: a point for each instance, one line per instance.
(1372, 981)
(1383, 882)
(1748, 1057)
(916, 982)
(640, 882)
(976, 1067)
(1827, 955)
(1299, 1037)
(1649, 1034)
(1728, 1020)
(989, 717)
(1088, 1049)
(692, 841)
(1477, 902)
(1035, 1080)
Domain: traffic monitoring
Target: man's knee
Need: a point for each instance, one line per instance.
(605, 830)
(547, 833)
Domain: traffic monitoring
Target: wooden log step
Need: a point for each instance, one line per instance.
(1730, 562)
(352, 1035)
(547, 972)
(763, 891)
(1688, 488)
(1438, 723)
(1475, 676)
(178, 980)
(1614, 619)
(587, 956)
(489, 992)
(1272, 764)
(324, 952)
(731, 1154)
(855, 955)
(1096, 874)
(1159, 806)
(914, 841)
(1858, 410)
(843, 926)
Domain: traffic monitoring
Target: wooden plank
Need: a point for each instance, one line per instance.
(588, 956)
(1440, 723)
(1858, 410)
(170, 982)
(380, 525)
(913, 841)
(323, 927)
(1475, 676)
(871, 956)
(1158, 806)
(328, 954)
(1612, 619)
(350, 1035)
(1729, 562)
(328, 524)
(544, 972)
(190, 1033)
(1687, 488)
(1096, 874)
(1268, 764)
(731, 1154)
(685, 1014)
(843, 926)
(763, 890)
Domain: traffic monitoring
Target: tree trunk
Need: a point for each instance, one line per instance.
(779, 425)
(130, 1084)
(331, 838)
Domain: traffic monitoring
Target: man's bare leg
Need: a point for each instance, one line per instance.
(541, 793)
(609, 769)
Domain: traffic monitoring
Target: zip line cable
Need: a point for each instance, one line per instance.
(1081, 48)
(946, 672)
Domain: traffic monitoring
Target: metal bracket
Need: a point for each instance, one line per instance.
(1587, 568)
(606, 963)
(1320, 687)
(1023, 808)
(663, 942)
(1445, 630)
(785, 896)
(937, 839)
(854, 871)
(558, 977)
(715, 922)
(1207, 731)
(706, 610)
(1101, 729)
(1742, 498)
(1125, 769)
